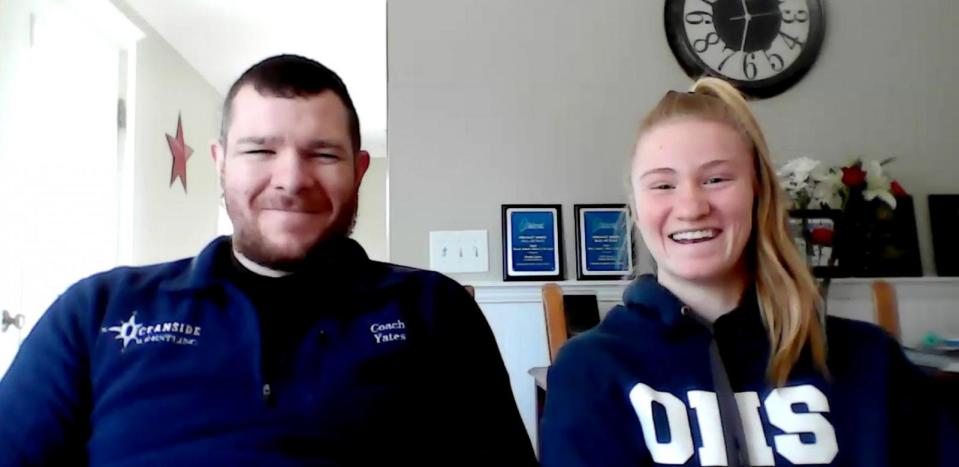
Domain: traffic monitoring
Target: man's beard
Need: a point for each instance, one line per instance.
(249, 241)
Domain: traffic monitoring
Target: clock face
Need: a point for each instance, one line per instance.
(761, 46)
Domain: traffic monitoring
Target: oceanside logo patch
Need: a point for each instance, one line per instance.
(171, 332)
(389, 332)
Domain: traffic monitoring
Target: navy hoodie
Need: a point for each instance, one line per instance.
(638, 390)
(164, 365)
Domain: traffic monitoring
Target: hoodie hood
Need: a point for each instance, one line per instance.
(653, 301)
(648, 298)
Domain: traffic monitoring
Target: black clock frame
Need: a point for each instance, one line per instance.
(695, 68)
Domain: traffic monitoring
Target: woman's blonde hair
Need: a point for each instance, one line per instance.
(788, 296)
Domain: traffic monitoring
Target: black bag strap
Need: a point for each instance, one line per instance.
(737, 453)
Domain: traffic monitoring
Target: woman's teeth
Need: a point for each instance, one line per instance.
(690, 236)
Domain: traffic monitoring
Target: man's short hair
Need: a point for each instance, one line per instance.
(292, 76)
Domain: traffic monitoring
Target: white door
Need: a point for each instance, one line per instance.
(60, 164)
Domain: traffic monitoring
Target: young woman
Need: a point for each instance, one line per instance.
(721, 358)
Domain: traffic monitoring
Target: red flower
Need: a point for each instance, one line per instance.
(897, 190)
(822, 236)
(853, 176)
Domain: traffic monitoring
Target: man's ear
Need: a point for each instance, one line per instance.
(361, 165)
(218, 152)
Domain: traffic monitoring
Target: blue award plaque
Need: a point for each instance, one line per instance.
(532, 242)
(603, 242)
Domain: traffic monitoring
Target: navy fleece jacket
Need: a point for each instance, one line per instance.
(164, 365)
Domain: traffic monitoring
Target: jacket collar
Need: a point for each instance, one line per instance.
(337, 259)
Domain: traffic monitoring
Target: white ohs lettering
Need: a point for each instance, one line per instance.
(779, 410)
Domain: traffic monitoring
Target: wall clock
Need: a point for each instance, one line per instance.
(763, 47)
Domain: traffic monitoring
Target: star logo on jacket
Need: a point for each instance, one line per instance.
(127, 330)
(171, 332)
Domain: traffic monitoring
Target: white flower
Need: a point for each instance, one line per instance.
(793, 187)
(794, 177)
(799, 165)
(877, 185)
(828, 189)
(798, 169)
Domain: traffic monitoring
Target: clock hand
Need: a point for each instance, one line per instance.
(768, 13)
(742, 46)
(746, 17)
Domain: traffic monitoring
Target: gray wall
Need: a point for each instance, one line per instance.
(499, 101)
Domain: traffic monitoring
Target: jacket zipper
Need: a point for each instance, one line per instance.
(267, 393)
(266, 389)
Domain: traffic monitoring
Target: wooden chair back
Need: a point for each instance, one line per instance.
(554, 310)
(886, 307)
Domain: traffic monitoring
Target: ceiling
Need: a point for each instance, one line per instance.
(222, 38)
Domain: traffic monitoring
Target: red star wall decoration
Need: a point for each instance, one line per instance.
(180, 152)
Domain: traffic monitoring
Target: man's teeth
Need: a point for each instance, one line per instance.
(693, 235)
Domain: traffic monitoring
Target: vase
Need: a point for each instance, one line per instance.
(875, 240)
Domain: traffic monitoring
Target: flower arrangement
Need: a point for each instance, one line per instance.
(864, 197)
(812, 186)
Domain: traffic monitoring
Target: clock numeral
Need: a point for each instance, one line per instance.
(723, 63)
(799, 16)
(791, 42)
(749, 66)
(775, 61)
(699, 17)
(702, 45)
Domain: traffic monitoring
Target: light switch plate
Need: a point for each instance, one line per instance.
(456, 251)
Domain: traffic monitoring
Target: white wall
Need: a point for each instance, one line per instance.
(169, 223)
(14, 34)
(13, 48)
(498, 101)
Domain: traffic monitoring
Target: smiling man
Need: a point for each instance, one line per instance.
(281, 345)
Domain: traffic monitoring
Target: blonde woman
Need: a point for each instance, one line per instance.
(721, 357)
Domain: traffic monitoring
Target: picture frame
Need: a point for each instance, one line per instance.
(604, 242)
(533, 242)
(943, 219)
(813, 231)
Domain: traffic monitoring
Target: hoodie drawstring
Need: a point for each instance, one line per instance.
(733, 433)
